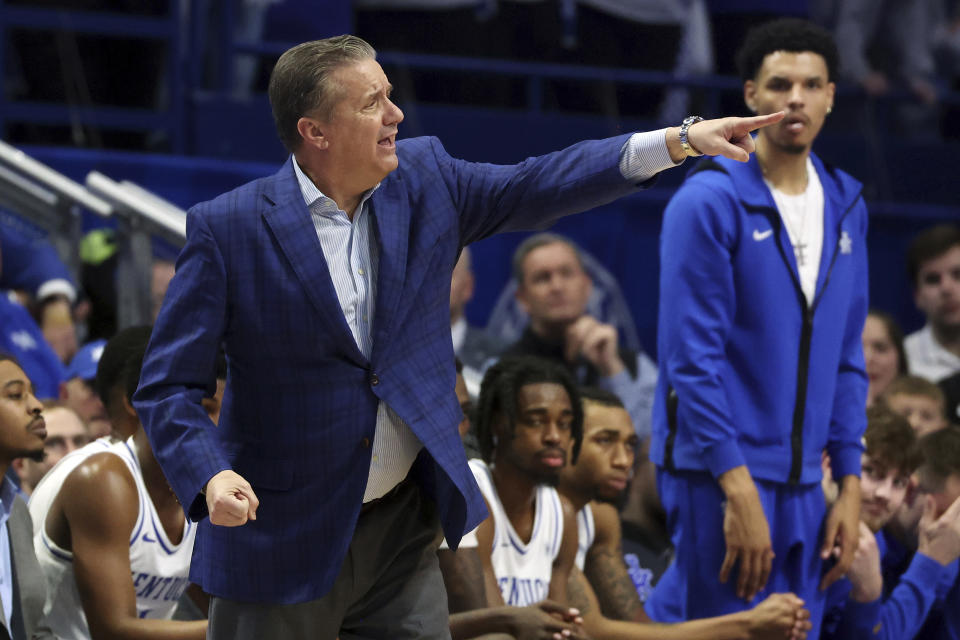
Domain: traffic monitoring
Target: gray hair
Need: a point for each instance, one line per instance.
(535, 242)
(301, 82)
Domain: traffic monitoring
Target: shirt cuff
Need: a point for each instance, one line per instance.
(723, 456)
(924, 571)
(644, 155)
(845, 460)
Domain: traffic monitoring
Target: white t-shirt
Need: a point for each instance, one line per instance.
(523, 570)
(927, 358)
(802, 215)
(159, 568)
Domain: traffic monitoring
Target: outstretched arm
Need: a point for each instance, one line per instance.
(779, 616)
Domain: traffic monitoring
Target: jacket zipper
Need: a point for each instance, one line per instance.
(806, 338)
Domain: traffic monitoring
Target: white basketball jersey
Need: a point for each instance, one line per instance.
(159, 568)
(586, 533)
(523, 569)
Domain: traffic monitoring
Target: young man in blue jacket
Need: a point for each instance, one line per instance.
(763, 300)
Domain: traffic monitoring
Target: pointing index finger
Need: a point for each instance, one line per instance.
(758, 122)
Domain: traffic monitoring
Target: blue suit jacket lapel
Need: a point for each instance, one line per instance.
(289, 219)
(392, 227)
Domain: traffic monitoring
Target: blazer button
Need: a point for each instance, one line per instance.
(365, 443)
(374, 379)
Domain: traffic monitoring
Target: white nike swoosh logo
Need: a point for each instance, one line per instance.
(761, 235)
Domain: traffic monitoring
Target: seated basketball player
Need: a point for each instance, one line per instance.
(529, 417)
(112, 540)
(601, 586)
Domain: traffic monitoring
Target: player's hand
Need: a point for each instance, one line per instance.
(864, 572)
(546, 620)
(727, 137)
(596, 342)
(231, 500)
(781, 615)
(940, 538)
(842, 532)
(747, 534)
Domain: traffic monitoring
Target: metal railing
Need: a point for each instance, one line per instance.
(54, 203)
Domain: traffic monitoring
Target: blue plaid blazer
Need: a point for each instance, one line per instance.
(300, 397)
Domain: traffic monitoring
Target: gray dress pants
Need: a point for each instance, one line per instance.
(389, 586)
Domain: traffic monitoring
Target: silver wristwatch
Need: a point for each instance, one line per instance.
(684, 143)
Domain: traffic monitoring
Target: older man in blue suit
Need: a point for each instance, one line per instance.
(337, 454)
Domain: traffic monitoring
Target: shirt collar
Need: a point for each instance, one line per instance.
(936, 351)
(311, 193)
(8, 493)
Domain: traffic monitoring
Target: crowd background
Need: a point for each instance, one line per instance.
(181, 110)
(171, 96)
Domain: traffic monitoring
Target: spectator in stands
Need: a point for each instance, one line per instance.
(473, 346)
(109, 573)
(761, 358)
(22, 338)
(883, 352)
(933, 526)
(553, 288)
(30, 264)
(918, 400)
(78, 393)
(933, 264)
(65, 433)
(886, 43)
(876, 599)
(342, 317)
(22, 430)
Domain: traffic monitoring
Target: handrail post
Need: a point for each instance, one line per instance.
(134, 269)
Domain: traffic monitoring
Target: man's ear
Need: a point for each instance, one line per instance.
(521, 297)
(311, 132)
(750, 95)
(128, 408)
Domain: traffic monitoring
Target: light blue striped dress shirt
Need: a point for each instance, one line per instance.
(352, 258)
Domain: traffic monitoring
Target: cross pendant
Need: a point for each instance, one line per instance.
(798, 250)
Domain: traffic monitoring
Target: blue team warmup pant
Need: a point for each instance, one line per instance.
(690, 588)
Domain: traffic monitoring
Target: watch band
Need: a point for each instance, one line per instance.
(684, 143)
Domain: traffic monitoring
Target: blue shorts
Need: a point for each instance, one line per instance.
(691, 589)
